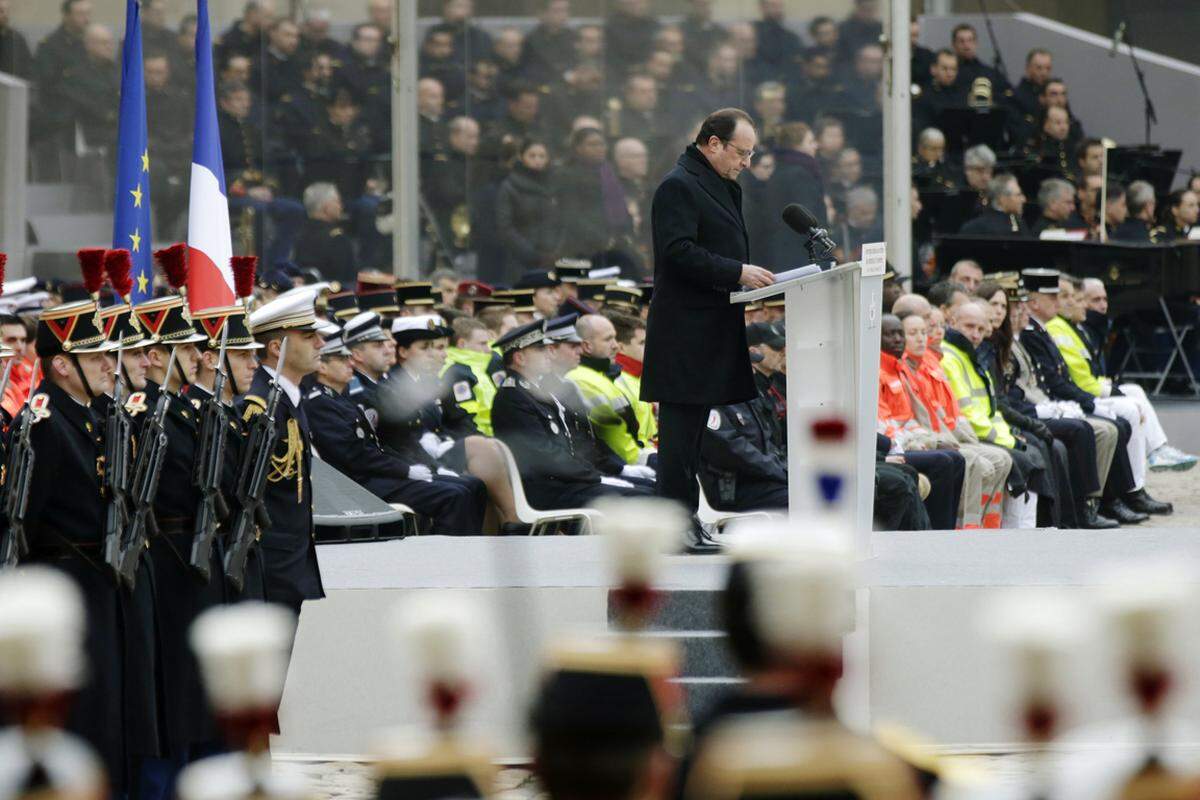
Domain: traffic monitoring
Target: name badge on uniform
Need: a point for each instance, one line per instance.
(462, 391)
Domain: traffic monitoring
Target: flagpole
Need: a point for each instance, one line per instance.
(405, 161)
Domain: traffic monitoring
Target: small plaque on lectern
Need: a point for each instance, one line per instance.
(874, 259)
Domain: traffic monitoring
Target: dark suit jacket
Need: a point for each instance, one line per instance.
(695, 338)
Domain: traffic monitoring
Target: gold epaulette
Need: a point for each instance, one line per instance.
(255, 405)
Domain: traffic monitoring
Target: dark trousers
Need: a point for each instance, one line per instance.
(1080, 442)
(455, 503)
(898, 505)
(758, 496)
(945, 470)
(679, 429)
(551, 495)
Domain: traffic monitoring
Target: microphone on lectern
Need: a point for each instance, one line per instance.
(820, 247)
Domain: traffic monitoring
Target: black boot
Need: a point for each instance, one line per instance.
(1122, 513)
(1091, 520)
(1143, 502)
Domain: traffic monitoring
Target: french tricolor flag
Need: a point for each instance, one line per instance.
(210, 280)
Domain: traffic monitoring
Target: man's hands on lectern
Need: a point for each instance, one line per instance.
(756, 277)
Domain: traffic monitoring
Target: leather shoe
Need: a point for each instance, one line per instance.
(1093, 521)
(1122, 513)
(1141, 501)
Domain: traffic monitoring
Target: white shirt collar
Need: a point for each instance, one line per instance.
(290, 389)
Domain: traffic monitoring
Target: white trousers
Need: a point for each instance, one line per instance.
(1156, 437)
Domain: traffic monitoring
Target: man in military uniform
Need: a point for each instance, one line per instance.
(372, 354)
(930, 171)
(944, 91)
(300, 111)
(59, 59)
(554, 473)
(180, 593)
(550, 47)
(287, 546)
(65, 523)
(1002, 217)
(366, 75)
(1056, 198)
(965, 42)
(346, 439)
(447, 183)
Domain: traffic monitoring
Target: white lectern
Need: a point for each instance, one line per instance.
(832, 322)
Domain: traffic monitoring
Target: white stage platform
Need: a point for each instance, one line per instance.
(927, 666)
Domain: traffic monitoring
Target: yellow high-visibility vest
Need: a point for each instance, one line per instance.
(974, 398)
(1076, 354)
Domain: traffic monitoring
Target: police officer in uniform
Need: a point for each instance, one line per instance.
(554, 472)
(346, 439)
(287, 547)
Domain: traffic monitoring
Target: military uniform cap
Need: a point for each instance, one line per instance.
(415, 293)
(166, 320)
(647, 291)
(625, 298)
(369, 280)
(491, 300)
(538, 279)
(291, 311)
(275, 280)
(19, 286)
(71, 328)
(591, 288)
(406, 330)
(366, 326)
(335, 344)
(1041, 281)
(474, 289)
(343, 305)
(522, 300)
(528, 335)
(381, 301)
(763, 333)
(211, 322)
(562, 329)
(121, 327)
(572, 270)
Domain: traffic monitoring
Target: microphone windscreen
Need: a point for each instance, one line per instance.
(799, 218)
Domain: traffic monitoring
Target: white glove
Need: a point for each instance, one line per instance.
(644, 455)
(1048, 410)
(1105, 387)
(419, 472)
(449, 473)
(636, 471)
(429, 442)
(607, 481)
(1071, 410)
(443, 447)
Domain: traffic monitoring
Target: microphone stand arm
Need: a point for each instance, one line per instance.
(1151, 114)
(997, 56)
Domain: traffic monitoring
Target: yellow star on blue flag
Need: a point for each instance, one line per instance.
(131, 214)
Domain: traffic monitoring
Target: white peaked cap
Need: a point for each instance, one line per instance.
(19, 285)
(1037, 627)
(41, 631)
(441, 633)
(292, 310)
(423, 322)
(243, 651)
(1144, 604)
(638, 532)
(803, 599)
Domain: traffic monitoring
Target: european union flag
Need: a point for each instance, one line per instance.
(131, 212)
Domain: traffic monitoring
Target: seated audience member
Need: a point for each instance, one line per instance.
(631, 350)
(987, 468)
(946, 296)
(372, 354)
(1116, 209)
(1128, 400)
(1002, 217)
(930, 170)
(346, 439)
(898, 488)
(979, 165)
(940, 91)
(1140, 221)
(1052, 145)
(1179, 214)
(615, 418)
(1056, 198)
(741, 467)
(967, 274)
(466, 371)
(770, 376)
(530, 422)
(1126, 499)
(420, 421)
(945, 468)
(1086, 215)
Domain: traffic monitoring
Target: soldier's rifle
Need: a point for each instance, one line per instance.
(118, 433)
(152, 452)
(210, 463)
(18, 474)
(252, 481)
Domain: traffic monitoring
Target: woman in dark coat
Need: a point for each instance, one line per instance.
(591, 199)
(527, 216)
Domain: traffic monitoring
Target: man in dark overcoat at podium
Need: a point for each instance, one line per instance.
(696, 352)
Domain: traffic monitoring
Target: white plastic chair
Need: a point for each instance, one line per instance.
(541, 520)
(716, 520)
(409, 519)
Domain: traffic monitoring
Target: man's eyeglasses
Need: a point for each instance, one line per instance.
(744, 154)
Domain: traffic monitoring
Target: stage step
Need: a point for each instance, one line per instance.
(681, 610)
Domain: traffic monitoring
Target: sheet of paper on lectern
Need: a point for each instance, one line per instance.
(874, 259)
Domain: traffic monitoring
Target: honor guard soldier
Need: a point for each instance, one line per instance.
(554, 472)
(287, 327)
(243, 654)
(604, 715)
(442, 635)
(346, 439)
(42, 629)
(65, 521)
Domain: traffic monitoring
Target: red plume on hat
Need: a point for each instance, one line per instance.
(3, 264)
(173, 261)
(119, 264)
(243, 268)
(91, 264)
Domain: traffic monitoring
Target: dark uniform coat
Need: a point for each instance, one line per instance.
(409, 408)
(288, 548)
(741, 467)
(327, 246)
(993, 222)
(696, 348)
(115, 710)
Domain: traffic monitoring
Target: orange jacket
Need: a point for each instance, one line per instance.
(895, 410)
(933, 389)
